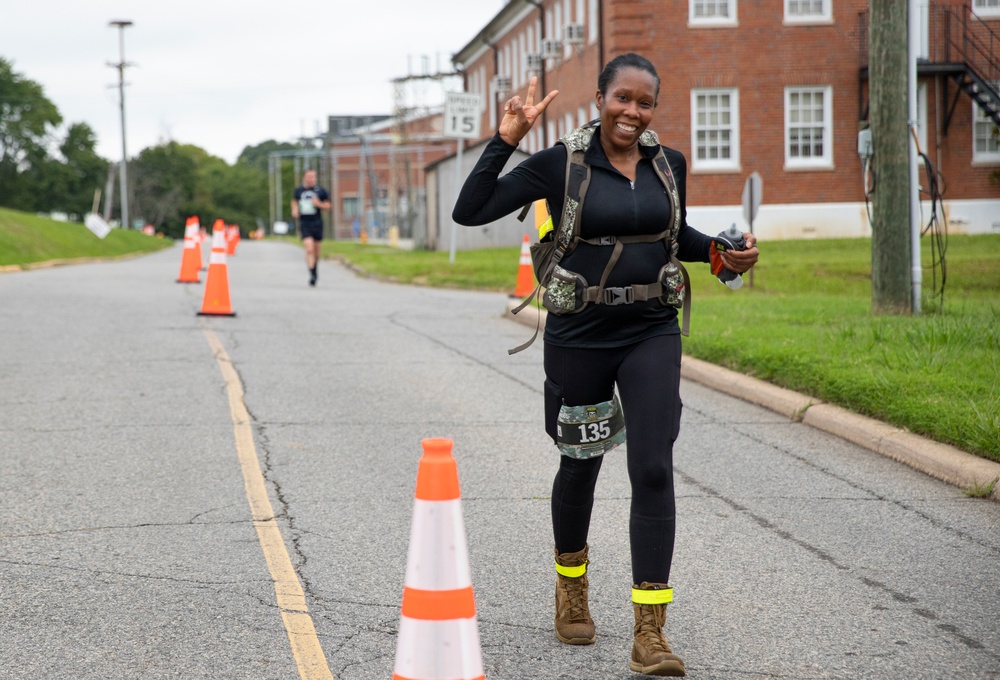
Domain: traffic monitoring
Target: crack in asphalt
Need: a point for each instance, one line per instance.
(299, 558)
(825, 556)
(135, 575)
(118, 527)
(394, 319)
(286, 514)
(933, 521)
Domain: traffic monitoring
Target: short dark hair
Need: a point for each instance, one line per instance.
(624, 61)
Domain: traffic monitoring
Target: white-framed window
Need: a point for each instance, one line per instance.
(556, 28)
(712, 12)
(592, 12)
(530, 48)
(809, 127)
(482, 86)
(808, 11)
(550, 22)
(520, 60)
(567, 20)
(986, 8)
(985, 142)
(581, 117)
(594, 113)
(715, 129)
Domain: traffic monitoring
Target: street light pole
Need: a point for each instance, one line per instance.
(122, 24)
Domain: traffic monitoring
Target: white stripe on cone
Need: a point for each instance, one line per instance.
(438, 557)
(439, 650)
(219, 239)
(190, 236)
(525, 253)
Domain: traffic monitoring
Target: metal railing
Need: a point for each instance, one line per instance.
(970, 40)
(956, 35)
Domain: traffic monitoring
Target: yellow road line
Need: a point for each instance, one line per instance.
(291, 599)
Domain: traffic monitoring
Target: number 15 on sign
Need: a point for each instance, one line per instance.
(462, 116)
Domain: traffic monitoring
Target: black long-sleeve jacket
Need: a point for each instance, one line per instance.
(614, 206)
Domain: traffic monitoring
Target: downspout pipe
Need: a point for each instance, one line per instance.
(916, 272)
(600, 36)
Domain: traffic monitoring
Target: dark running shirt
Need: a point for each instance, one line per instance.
(612, 207)
(309, 215)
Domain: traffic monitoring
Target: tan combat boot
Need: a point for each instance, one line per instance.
(573, 623)
(651, 654)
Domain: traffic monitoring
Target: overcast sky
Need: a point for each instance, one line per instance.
(223, 75)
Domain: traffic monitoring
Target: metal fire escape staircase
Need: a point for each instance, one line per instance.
(962, 47)
(971, 60)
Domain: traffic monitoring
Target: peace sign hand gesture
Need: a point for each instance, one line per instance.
(518, 117)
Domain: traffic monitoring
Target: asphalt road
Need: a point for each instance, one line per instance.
(129, 546)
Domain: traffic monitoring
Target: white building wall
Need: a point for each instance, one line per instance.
(836, 220)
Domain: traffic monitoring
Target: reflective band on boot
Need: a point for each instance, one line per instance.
(571, 572)
(660, 596)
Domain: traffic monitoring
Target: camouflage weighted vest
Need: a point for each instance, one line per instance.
(567, 292)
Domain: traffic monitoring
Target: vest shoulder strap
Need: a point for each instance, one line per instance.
(578, 179)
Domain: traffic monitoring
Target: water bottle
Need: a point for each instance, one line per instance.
(731, 239)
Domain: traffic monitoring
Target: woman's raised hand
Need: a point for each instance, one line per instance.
(518, 116)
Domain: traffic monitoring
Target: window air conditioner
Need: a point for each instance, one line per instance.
(551, 49)
(574, 34)
(534, 63)
(501, 85)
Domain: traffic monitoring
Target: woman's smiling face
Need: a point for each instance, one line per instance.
(627, 107)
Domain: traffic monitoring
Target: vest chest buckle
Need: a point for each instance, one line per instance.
(624, 295)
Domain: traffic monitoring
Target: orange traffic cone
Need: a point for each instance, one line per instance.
(232, 238)
(190, 262)
(525, 273)
(216, 300)
(438, 633)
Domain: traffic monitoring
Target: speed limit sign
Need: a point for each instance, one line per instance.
(462, 117)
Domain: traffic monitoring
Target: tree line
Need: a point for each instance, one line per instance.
(43, 170)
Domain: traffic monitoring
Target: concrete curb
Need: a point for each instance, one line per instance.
(941, 461)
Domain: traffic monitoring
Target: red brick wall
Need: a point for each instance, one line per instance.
(760, 56)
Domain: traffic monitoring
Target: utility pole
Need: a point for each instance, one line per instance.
(887, 83)
(122, 24)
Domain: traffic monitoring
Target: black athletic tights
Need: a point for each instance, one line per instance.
(648, 378)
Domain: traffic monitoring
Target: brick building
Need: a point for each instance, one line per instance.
(377, 177)
(774, 87)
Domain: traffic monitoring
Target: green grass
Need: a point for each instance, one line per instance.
(487, 269)
(27, 239)
(806, 324)
(982, 490)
